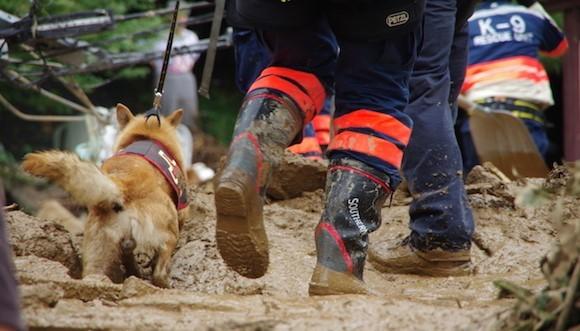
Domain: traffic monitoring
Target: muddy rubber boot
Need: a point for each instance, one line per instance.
(355, 194)
(402, 258)
(268, 123)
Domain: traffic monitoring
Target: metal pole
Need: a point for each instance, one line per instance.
(211, 51)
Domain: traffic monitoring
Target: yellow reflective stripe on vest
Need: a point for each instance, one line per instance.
(527, 104)
(528, 116)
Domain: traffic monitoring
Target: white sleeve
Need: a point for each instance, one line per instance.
(193, 39)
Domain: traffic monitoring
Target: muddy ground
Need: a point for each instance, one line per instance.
(510, 242)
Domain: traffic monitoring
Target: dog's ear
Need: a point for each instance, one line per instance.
(175, 117)
(124, 115)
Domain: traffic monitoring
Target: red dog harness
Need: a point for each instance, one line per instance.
(154, 152)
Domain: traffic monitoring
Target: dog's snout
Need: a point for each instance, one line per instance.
(117, 207)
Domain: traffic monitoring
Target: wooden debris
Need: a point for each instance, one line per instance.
(11, 207)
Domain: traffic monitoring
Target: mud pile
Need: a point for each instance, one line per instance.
(557, 306)
(510, 242)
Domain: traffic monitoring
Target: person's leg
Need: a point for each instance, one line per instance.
(186, 99)
(171, 92)
(309, 146)
(538, 132)
(9, 300)
(441, 220)
(466, 145)
(286, 95)
(365, 155)
(432, 164)
(458, 66)
(322, 122)
(251, 58)
(10, 318)
(194, 100)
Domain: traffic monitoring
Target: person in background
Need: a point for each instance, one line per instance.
(10, 319)
(322, 124)
(180, 90)
(504, 72)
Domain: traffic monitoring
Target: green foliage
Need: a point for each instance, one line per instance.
(17, 8)
(218, 114)
(533, 196)
(111, 40)
(26, 136)
(10, 173)
(54, 7)
(31, 102)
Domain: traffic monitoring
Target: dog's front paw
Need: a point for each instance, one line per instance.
(161, 281)
(97, 278)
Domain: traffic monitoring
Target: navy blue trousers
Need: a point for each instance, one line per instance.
(440, 214)
(376, 76)
(368, 76)
(251, 57)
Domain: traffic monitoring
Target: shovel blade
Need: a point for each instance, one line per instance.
(504, 140)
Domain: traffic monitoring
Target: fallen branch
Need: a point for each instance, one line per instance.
(38, 118)
(11, 207)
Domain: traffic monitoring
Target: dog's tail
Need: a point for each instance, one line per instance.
(83, 180)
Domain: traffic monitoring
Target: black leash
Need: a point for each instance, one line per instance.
(159, 90)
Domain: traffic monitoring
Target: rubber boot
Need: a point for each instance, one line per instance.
(355, 194)
(267, 124)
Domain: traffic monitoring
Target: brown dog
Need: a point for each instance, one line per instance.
(135, 200)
